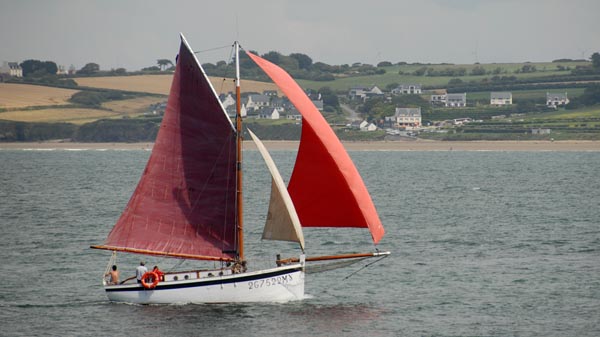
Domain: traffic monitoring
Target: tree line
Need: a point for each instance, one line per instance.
(298, 65)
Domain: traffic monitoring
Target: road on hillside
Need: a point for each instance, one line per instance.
(352, 115)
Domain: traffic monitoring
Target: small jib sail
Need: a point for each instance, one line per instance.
(282, 222)
(325, 186)
(185, 202)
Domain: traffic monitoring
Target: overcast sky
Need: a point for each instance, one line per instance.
(135, 33)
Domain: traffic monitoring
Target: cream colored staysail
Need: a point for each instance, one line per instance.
(282, 221)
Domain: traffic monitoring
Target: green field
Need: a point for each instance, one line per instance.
(582, 124)
(392, 75)
(591, 114)
(526, 94)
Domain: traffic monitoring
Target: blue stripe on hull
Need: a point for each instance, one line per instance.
(209, 282)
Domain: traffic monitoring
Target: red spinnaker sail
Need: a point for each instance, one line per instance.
(184, 204)
(325, 186)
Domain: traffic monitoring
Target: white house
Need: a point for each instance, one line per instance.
(461, 121)
(61, 70)
(540, 131)
(500, 98)
(12, 68)
(318, 105)
(407, 89)
(257, 101)
(553, 100)
(294, 116)
(456, 100)
(438, 99)
(231, 111)
(366, 126)
(227, 101)
(404, 117)
(268, 113)
(364, 93)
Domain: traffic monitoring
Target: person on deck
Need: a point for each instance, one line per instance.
(140, 271)
(161, 275)
(114, 275)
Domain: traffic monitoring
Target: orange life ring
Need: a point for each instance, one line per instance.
(150, 275)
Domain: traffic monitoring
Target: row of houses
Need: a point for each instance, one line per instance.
(13, 69)
(267, 105)
(411, 117)
(553, 99)
(364, 93)
(450, 100)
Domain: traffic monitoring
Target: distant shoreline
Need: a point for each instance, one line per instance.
(417, 145)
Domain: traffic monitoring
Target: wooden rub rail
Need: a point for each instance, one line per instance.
(332, 257)
(150, 252)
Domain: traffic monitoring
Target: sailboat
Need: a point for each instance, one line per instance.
(188, 202)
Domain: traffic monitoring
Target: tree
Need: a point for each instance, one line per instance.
(304, 62)
(36, 68)
(89, 68)
(391, 86)
(273, 57)
(164, 63)
(478, 70)
(590, 96)
(595, 60)
(329, 97)
(30, 66)
(420, 72)
(411, 101)
(528, 68)
(50, 67)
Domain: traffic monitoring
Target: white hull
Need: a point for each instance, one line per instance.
(279, 284)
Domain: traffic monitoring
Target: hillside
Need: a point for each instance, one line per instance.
(37, 103)
(19, 96)
(160, 84)
(134, 97)
(407, 73)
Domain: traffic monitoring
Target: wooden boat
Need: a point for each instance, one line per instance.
(188, 202)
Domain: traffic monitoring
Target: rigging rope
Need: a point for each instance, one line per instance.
(112, 261)
(231, 57)
(177, 265)
(365, 266)
(211, 49)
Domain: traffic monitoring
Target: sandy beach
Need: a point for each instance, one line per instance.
(417, 145)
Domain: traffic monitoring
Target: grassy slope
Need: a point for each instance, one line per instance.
(392, 75)
(527, 94)
(160, 84)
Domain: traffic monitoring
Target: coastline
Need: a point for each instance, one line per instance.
(417, 145)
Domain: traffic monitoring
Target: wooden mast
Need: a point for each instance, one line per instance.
(239, 132)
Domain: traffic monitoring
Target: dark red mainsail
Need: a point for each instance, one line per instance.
(325, 186)
(185, 202)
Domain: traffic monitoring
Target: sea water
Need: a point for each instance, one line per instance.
(483, 243)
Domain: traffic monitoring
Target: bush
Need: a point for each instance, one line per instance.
(32, 132)
(118, 130)
(95, 98)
